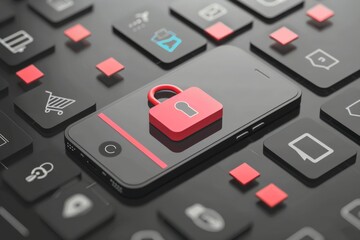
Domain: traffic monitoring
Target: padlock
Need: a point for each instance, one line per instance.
(185, 113)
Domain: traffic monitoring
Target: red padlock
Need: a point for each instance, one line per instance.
(185, 113)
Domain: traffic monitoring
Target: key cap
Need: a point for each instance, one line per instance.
(6, 13)
(18, 222)
(166, 40)
(343, 112)
(3, 87)
(309, 151)
(75, 211)
(316, 58)
(54, 106)
(129, 230)
(13, 140)
(199, 220)
(218, 19)
(271, 9)
(60, 11)
(22, 44)
(40, 174)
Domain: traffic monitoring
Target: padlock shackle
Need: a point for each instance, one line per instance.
(154, 90)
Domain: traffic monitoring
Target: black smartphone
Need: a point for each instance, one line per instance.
(134, 157)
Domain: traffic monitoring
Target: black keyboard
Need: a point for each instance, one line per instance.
(257, 137)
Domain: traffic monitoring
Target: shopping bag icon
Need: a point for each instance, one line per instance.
(167, 40)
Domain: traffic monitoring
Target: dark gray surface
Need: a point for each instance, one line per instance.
(324, 154)
(343, 112)
(317, 207)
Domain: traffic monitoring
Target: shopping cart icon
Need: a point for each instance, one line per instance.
(57, 104)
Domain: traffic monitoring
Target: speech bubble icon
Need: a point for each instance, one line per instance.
(354, 109)
(321, 59)
(311, 142)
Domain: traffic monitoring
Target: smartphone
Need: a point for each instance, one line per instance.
(134, 157)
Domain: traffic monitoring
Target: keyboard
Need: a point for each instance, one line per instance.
(181, 119)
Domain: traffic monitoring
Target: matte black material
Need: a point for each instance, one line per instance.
(13, 139)
(186, 216)
(225, 12)
(307, 149)
(52, 212)
(317, 57)
(6, 13)
(141, 30)
(49, 114)
(317, 207)
(54, 177)
(3, 87)
(133, 170)
(19, 222)
(41, 43)
(343, 112)
(60, 15)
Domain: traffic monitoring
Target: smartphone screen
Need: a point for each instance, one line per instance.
(248, 90)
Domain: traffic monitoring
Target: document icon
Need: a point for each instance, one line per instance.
(310, 148)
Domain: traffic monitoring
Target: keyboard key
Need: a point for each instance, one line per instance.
(272, 195)
(284, 36)
(165, 39)
(77, 33)
(60, 11)
(131, 231)
(320, 13)
(244, 174)
(218, 19)
(343, 112)
(273, 9)
(110, 67)
(19, 44)
(54, 106)
(30, 74)
(3, 86)
(198, 221)
(6, 13)
(13, 140)
(18, 222)
(316, 58)
(351, 213)
(75, 211)
(40, 174)
(308, 150)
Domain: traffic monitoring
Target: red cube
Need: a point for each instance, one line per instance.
(271, 195)
(30, 74)
(244, 174)
(110, 66)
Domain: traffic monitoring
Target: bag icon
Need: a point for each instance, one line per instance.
(167, 40)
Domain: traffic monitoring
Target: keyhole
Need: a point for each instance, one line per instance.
(185, 108)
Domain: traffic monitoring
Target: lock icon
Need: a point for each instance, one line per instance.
(185, 113)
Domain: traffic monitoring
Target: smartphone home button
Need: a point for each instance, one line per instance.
(110, 149)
